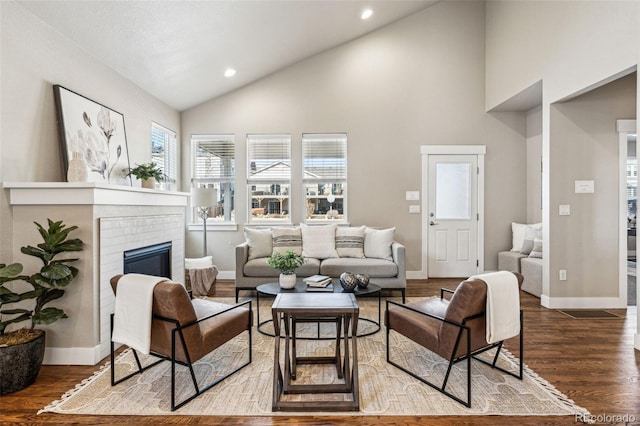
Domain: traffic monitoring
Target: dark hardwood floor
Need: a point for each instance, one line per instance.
(591, 361)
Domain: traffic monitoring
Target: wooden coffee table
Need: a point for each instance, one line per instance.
(273, 289)
(342, 308)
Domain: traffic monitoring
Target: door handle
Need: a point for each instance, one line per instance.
(432, 223)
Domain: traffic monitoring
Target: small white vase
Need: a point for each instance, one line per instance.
(77, 170)
(149, 183)
(288, 281)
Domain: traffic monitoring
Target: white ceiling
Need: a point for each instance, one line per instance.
(179, 50)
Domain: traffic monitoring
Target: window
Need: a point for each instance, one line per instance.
(214, 167)
(324, 158)
(269, 177)
(164, 152)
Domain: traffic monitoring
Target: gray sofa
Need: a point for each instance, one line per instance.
(388, 274)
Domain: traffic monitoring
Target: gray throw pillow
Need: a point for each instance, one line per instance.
(284, 239)
(536, 251)
(350, 241)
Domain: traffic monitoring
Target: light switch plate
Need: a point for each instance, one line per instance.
(414, 208)
(564, 210)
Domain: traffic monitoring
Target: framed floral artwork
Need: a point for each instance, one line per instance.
(94, 131)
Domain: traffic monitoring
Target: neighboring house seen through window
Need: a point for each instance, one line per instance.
(269, 177)
(324, 159)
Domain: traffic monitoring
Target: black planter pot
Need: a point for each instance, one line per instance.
(20, 364)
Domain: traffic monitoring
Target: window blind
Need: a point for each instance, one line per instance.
(324, 157)
(164, 151)
(213, 158)
(269, 158)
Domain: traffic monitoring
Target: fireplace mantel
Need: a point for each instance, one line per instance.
(66, 193)
(110, 219)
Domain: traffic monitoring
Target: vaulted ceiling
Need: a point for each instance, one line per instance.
(178, 51)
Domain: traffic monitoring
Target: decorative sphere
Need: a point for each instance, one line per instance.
(362, 280)
(348, 281)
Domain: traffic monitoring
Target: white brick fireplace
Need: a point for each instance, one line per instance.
(111, 219)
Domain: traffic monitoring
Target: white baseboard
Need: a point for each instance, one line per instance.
(416, 275)
(582, 302)
(226, 275)
(636, 341)
(72, 356)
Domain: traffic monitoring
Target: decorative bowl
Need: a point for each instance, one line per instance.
(362, 280)
(348, 281)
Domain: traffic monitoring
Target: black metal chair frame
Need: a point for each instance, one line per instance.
(178, 331)
(466, 330)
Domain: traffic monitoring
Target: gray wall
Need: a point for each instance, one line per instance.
(419, 81)
(584, 146)
(33, 58)
(572, 47)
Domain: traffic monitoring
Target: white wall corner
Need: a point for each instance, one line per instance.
(636, 341)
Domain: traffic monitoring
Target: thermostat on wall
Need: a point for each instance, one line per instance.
(584, 187)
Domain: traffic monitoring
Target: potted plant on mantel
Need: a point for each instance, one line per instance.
(148, 173)
(286, 263)
(22, 350)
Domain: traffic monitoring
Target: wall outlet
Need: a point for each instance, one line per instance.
(562, 275)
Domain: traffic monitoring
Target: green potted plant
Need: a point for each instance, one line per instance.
(286, 263)
(148, 173)
(22, 350)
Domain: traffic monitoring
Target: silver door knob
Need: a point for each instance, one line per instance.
(432, 223)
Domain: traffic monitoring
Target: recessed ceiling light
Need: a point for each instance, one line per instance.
(230, 72)
(366, 14)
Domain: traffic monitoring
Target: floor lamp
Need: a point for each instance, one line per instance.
(203, 198)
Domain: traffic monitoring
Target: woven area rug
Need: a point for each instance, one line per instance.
(384, 390)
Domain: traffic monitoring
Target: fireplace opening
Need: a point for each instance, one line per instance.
(151, 260)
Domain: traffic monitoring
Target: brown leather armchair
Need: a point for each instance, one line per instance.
(184, 330)
(454, 329)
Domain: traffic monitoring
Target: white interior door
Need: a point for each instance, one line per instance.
(452, 215)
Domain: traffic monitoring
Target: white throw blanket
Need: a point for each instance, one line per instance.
(132, 319)
(503, 305)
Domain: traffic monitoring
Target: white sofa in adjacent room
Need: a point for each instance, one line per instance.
(525, 256)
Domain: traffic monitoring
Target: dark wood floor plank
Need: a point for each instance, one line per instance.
(591, 361)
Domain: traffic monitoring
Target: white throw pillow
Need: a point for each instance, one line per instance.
(284, 239)
(259, 242)
(377, 243)
(198, 263)
(350, 241)
(319, 241)
(518, 230)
